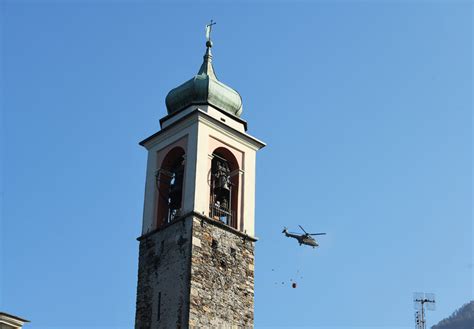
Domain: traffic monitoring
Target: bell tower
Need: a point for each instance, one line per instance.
(196, 254)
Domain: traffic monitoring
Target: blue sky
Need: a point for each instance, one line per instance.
(366, 110)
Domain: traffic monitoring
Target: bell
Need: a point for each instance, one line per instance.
(175, 199)
(222, 196)
(222, 183)
(176, 188)
(222, 174)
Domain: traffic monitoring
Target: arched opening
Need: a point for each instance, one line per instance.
(224, 183)
(169, 184)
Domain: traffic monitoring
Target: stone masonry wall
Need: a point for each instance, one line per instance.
(163, 278)
(222, 278)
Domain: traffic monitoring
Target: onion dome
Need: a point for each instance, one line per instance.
(204, 88)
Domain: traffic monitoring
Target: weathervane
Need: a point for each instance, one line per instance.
(208, 33)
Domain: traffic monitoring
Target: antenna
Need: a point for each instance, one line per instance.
(420, 300)
(417, 319)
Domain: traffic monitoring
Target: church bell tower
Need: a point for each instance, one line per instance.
(196, 254)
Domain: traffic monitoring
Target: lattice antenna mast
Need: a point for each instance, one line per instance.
(420, 301)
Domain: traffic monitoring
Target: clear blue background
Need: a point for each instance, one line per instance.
(366, 109)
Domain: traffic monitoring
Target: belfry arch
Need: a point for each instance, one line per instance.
(224, 187)
(169, 185)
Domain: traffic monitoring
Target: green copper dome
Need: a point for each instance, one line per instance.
(204, 88)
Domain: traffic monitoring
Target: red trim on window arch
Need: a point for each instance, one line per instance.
(163, 185)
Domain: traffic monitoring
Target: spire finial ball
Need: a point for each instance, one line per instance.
(208, 43)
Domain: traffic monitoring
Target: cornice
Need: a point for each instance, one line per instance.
(204, 219)
(201, 116)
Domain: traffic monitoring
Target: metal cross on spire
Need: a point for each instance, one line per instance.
(208, 32)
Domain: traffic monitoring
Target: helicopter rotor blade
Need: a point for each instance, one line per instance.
(301, 227)
(317, 233)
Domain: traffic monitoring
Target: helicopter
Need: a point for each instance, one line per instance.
(305, 238)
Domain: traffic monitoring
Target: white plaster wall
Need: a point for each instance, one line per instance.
(229, 121)
(249, 193)
(206, 129)
(216, 114)
(188, 129)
